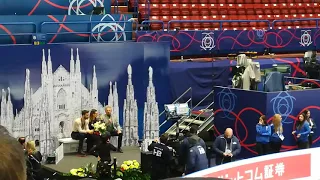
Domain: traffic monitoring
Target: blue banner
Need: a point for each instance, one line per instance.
(232, 109)
(62, 29)
(55, 7)
(232, 41)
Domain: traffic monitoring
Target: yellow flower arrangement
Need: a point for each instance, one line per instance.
(78, 172)
(131, 164)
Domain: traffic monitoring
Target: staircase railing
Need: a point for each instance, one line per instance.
(174, 102)
(207, 107)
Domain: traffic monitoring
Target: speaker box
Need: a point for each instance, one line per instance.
(146, 162)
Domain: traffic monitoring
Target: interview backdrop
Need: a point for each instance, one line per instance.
(240, 110)
(46, 87)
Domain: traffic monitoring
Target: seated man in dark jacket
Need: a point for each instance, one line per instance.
(226, 146)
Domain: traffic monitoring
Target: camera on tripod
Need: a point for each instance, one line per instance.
(311, 65)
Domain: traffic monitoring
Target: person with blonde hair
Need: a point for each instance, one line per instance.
(277, 137)
(35, 158)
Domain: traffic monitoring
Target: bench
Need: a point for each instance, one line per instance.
(71, 145)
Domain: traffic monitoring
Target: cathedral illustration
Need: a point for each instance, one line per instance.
(50, 110)
(130, 114)
(150, 115)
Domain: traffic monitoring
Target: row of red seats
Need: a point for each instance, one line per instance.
(223, 1)
(230, 17)
(231, 25)
(230, 6)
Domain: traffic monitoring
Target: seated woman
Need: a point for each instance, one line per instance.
(104, 157)
(93, 139)
(34, 158)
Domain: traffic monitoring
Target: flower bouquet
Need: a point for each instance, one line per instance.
(130, 170)
(86, 171)
(100, 127)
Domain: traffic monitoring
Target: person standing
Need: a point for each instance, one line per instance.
(227, 147)
(263, 136)
(161, 158)
(113, 126)
(302, 132)
(312, 126)
(188, 152)
(276, 134)
(81, 130)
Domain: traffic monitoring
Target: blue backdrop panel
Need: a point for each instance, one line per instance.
(229, 41)
(289, 105)
(111, 65)
(56, 7)
(233, 109)
(19, 29)
(201, 76)
(239, 110)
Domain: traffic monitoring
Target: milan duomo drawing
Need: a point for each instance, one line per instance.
(151, 115)
(48, 113)
(113, 102)
(130, 115)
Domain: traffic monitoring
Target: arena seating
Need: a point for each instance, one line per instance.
(166, 10)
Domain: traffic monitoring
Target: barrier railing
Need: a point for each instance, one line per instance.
(293, 20)
(92, 31)
(8, 33)
(215, 21)
(153, 21)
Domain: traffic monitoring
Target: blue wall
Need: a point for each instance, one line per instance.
(233, 41)
(19, 29)
(240, 110)
(45, 7)
(111, 65)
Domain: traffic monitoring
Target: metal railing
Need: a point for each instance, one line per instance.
(8, 33)
(207, 107)
(176, 101)
(90, 24)
(295, 20)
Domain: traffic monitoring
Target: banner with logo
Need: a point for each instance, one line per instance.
(300, 164)
(232, 41)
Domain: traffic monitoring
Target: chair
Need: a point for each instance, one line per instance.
(205, 25)
(184, 9)
(165, 9)
(185, 24)
(194, 10)
(174, 25)
(196, 25)
(204, 9)
(154, 10)
(174, 9)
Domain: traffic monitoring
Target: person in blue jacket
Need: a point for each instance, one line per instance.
(276, 137)
(263, 136)
(193, 151)
(302, 132)
(227, 147)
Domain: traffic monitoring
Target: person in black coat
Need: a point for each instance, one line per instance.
(161, 158)
(93, 139)
(103, 154)
(226, 147)
(34, 162)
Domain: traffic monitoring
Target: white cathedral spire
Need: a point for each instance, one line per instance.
(78, 62)
(71, 63)
(9, 118)
(3, 107)
(151, 112)
(49, 63)
(44, 64)
(130, 114)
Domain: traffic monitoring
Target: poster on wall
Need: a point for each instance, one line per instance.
(45, 88)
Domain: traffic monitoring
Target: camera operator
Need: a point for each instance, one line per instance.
(193, 152)
(161, 158)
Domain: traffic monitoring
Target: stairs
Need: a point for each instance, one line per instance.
(202, 119)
